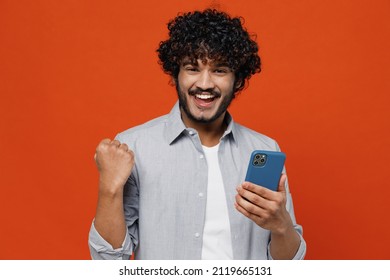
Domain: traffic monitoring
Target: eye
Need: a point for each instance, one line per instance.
(191, 69)
(222, 70)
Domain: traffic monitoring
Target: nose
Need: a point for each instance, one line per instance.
(205, 80)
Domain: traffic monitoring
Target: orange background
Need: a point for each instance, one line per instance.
(74, 72)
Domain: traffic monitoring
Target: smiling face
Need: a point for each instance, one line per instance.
(205, 90)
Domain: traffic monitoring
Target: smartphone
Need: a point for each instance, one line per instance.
(265, 168)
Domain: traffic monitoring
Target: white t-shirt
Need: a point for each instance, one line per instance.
(217, 243)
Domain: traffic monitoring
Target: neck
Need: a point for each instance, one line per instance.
(209, 133)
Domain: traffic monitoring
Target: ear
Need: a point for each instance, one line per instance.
(238, 84)
(172, 81)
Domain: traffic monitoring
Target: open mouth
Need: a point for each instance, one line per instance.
(205, 98)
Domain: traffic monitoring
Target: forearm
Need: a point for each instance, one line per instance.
(109, 219)
(284, 245)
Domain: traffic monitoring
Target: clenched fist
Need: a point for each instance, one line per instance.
(114, 162)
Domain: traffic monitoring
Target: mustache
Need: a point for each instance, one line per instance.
(200, 91)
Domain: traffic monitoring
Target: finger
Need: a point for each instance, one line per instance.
(131, 153)
(241, 210)
(116, 142)
(282, 183)
(106, 141)
(254, 218)
(102, 145)
(259, 190)
(124, 147)
(248, 206)
(252, 197)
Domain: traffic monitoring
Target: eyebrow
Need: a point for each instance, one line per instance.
(221, 64)
(195, 63)
(188, 62)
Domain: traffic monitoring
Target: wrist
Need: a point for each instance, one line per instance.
(282, 231)
(110, 189)
(284, 228)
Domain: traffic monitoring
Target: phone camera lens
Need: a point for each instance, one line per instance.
(262, 160)
(257, 156)
(256, 162)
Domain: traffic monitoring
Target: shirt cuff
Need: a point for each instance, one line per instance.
(100, 249)
(299, 255)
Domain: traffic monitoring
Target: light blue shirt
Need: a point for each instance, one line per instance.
(165, 196)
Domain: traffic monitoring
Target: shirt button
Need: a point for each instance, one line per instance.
(201, 156)
(200, 194)
(197, 234)
(191, 133)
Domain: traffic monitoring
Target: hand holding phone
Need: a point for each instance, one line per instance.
(265, 168)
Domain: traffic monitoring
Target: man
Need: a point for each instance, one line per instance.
(174, 188)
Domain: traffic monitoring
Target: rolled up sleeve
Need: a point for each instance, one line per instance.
(100, 249)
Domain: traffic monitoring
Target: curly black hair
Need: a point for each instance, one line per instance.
(214, 35)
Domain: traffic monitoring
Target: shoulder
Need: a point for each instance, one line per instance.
(152, 127)
(254, 138)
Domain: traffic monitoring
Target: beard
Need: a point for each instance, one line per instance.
(183, 103)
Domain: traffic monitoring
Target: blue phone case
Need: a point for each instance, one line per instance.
(265, 168)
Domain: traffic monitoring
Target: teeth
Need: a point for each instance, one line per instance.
(204, 96)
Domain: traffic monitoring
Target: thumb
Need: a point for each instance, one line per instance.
(282, 183)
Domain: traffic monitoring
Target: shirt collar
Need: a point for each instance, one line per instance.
(176, 127)
(231, 128)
